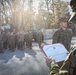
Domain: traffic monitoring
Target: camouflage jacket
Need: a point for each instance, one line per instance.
(70, 64)
(54, 68)
(63, 36)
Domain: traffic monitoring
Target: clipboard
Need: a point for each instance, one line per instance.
(57, 51)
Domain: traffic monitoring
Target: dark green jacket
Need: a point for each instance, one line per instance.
(63, 36)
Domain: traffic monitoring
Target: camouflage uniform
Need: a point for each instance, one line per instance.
(4, 40)
(20, 40)
(1, 42)
(35, 36)
(11, 41)
(15, 34)
(70, 64)
(54, 68)
(26, 38)
(39, 38)
(63, 36)
(29, 40)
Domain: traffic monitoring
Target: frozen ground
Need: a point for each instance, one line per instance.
(26, 62)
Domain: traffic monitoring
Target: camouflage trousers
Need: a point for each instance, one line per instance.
(1, 47)
(20, 45)
(11, 46)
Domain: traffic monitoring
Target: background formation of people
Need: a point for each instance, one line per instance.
(12, 40)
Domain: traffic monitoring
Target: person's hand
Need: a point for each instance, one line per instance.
(48, 60)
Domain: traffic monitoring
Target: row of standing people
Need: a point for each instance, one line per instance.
(19, 40)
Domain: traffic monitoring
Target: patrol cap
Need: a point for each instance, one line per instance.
(63, 19)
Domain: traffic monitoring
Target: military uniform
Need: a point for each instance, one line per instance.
(35, 36)
(39, 38)
(26, 39)
(29, 40)
(15, 34)
(11, 41)
(70, 64)
(20, 40)
(4, 40)
(63, 36)
(1, 43)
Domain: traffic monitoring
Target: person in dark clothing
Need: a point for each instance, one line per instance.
(63, 35)
(73, 5)
(11, 41)
(4, 40)
(1, 42)
(29, 37)
(20, 40)
(39, 38)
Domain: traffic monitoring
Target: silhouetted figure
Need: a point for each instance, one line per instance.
(73, 5)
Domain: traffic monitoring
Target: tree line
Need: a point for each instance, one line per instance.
(22, 15)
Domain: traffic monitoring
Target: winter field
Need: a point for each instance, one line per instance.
(25, 62)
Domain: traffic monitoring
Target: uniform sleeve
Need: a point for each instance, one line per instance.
(54, 68)
(71, 3)
(56, 37)
(71, 34)
(70, 38)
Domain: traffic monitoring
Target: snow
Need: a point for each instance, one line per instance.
(25, 62)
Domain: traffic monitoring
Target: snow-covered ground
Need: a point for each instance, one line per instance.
(26, 62)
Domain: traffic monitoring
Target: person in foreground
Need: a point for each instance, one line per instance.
(69, 63)
(63, 34)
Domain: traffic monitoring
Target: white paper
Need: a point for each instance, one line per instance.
(57, 51)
